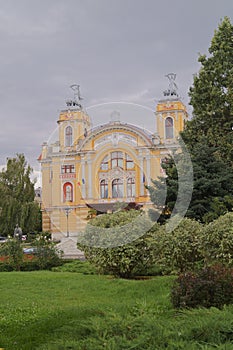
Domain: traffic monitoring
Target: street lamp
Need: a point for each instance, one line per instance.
(67, 212)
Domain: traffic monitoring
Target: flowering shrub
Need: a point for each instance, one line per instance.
(211, 286)
(178, 250)
(216, 241)
(121, 260)
(45, 255)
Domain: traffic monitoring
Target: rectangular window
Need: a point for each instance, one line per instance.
(117, 159)
(129, 162)
(68, 169)
(104, 164)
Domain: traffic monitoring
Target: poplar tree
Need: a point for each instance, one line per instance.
(17, 197)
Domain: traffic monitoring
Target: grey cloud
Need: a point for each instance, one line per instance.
(116, 50)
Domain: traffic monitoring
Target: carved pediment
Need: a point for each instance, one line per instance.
(117, 173)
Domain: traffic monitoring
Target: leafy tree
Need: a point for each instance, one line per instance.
(17, 197)
(212, 96)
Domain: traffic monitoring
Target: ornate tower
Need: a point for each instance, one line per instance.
(170, 112)
(73, 122)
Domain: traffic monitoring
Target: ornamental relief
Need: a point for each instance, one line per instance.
(117, 173)
(115, 138)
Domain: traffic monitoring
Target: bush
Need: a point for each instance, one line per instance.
(5, 266)
(216, 241)
(118, 243)
(45, 257)
(12, 252)
(210, 286)
(178, 250)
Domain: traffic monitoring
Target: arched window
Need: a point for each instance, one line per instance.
(68, 192)
(117, 159)
(130, 188)
(114, 180)
(169, 132)
(103, 189)
(117, 188)
(68, 136)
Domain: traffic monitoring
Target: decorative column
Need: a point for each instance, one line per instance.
(148, 169)
(83, 183)
(89, 163)
(141, 170)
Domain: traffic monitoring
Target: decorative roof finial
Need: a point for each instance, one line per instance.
(76, 102)
(172, 87)
(115, 116)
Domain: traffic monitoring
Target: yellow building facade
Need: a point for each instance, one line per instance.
(104, 167)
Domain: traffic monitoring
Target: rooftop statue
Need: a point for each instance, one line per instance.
(172, 87)
(76, 101)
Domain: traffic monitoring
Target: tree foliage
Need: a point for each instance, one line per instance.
(212, 194)
(164, 186)
(212, 95)
(208, 136)
(213, 184)
(17, 197)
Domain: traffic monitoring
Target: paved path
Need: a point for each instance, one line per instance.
(69, 247)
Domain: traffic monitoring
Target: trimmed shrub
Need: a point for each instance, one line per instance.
(216, 241)
(178, 250)
(118, 243)
(210, 286)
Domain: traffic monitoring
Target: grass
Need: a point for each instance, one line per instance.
(79, 266)
(62, 310)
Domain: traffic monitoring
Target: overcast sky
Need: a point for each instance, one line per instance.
(117, 50)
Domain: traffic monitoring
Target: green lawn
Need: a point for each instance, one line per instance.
(62, 310)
